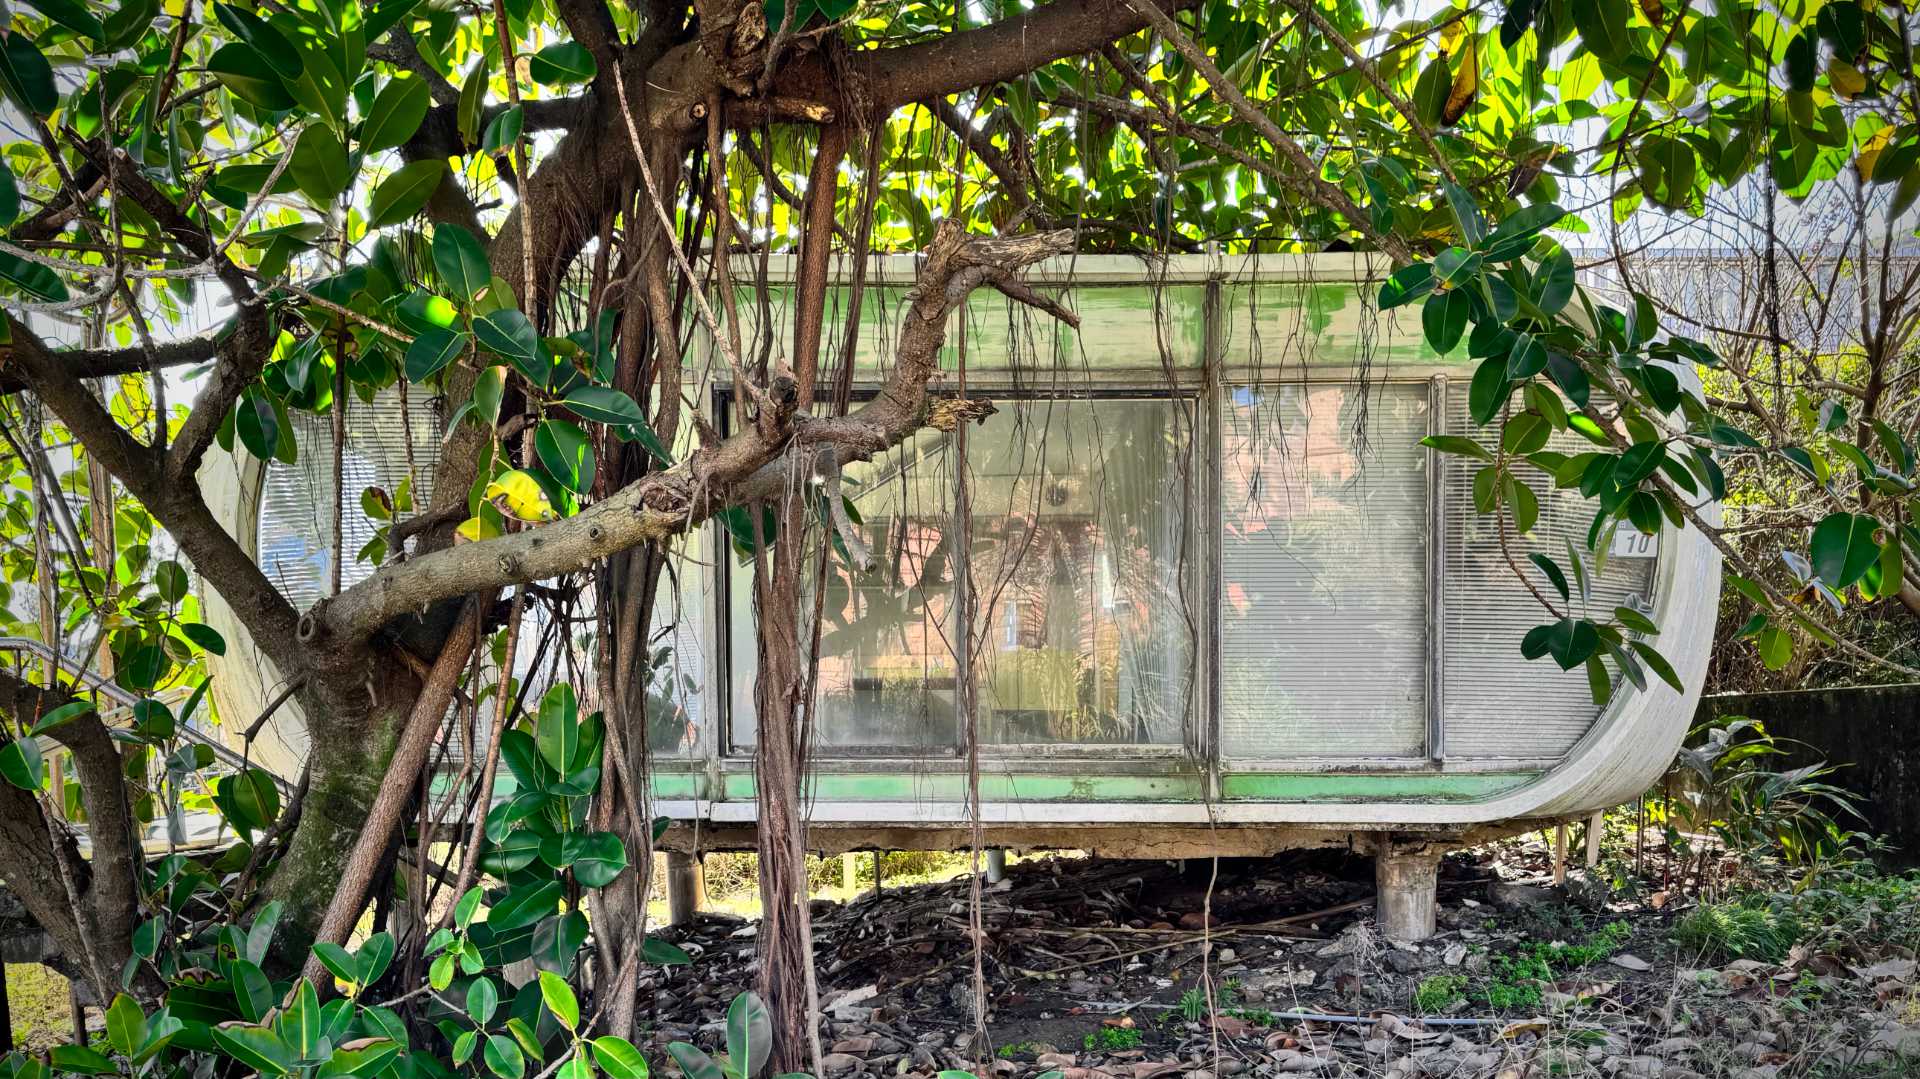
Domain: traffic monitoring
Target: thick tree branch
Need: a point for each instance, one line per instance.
(1007, 49)
(744, 468)
(174, 500)
(107, 362)
(112, 894)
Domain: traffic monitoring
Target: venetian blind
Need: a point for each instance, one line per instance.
(1497, 703)
(1323, 571)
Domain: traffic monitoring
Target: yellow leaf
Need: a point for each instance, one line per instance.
(519, 494)
(475, 529)
(1466, 84)
(1846, 79)
(1871, 149)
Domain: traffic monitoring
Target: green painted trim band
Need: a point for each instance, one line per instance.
(1244, 786)
(1381, 787)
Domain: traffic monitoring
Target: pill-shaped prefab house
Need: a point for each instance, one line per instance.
(1226, 601)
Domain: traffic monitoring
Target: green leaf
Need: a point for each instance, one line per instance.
(524, 906)
(320, 165)
(566, 453)
(559, 998)
(402, 194)
(1489, 390)
(364, 1060)
(252, 990)
(396, 114)
(9, 198)
(467, 907)
(1843, 548)
(257, 423)
(561, 64)
(619, 1059)
(1603, 27)
(601, 859)
(503, 1057)
(244, 71)
(1776, 647)
(171, 581)
(22, 765)
(26, 75)
(1459, 445)
(1653, 659)
(576, 1066)
(80, 1060)
(1552, 569)
(61, 716)
(602, 404)
(1569, 641)
(1445, 319)
(1466, 214)
(483, 1000)
(488, 391)
(337, 960)
(510, 335)
(71, 14)
(749, 1034)
(37, 281)
(1408, 283)
(1554, 281)
(460, 261)
(126, 1025)
(694, 1061)
(502, 131)
(663, 953)
(208, 638)
(256, 1047)
(1517, 233)
(432, 351)
(270, 46)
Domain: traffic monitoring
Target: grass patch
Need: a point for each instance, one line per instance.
(1439, 992)
(1749, 928)
(1112, 1039)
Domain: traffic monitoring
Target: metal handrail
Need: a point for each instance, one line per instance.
(103, 686)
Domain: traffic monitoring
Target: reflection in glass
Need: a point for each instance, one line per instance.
(1083, 630)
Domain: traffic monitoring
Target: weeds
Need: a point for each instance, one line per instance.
(1517, 976)
(1440, 992)
(1112, 1039)
(1752, 927)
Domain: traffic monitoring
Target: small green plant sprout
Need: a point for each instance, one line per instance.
(1112, 1039)
(1439, 992)
(1193, 1004)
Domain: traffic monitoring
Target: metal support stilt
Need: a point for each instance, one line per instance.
(996, 865)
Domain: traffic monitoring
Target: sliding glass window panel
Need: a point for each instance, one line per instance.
(1323, 570)
(1082, 563)
(886, 673)
(1498, 703)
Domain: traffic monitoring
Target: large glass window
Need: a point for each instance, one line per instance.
(1081, 556)
(1323, 568)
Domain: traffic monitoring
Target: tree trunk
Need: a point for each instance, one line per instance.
(786, 926)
